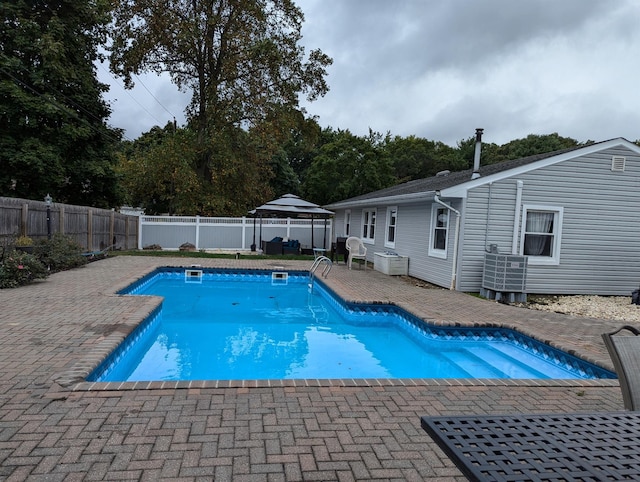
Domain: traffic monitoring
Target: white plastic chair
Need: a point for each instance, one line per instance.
(356, 249)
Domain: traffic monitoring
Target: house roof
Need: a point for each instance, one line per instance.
(421, 188)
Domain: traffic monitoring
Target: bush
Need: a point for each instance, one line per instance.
(19, 268)
(60, 253)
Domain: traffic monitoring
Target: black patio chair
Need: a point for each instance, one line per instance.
(339, 248)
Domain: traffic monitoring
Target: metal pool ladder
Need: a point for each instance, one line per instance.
(317, 262)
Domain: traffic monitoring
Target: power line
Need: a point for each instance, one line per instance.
(150, 93)
(131, 96)
(63, 107)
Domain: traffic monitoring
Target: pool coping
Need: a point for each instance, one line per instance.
(74, 379)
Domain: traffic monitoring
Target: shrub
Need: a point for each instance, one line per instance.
(60, 253)
(19, 268)
(24, 241)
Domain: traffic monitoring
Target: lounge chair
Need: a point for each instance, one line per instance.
(98, 254)
(625, 354)
(356, 249)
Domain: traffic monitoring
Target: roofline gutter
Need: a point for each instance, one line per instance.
(398, 199)
(454, 261)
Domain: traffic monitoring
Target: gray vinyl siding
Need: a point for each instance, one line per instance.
(412, 239)
(483, 227)
(600, 231)
(600, 244)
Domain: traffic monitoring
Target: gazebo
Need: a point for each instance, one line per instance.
(290, 206)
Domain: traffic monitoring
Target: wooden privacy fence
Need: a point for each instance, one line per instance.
(92, 228)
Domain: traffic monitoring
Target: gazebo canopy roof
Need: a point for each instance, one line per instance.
(293, 206)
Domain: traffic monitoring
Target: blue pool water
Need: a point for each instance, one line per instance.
(236, 325)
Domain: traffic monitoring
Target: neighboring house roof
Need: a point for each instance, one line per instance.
(455, 184)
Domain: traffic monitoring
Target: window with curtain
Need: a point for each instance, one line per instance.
(368, 225)
(439, 231)
(541, 234)
(392, 219)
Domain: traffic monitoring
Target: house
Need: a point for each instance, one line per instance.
(572, 216)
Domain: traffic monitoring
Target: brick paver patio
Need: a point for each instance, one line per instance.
(55, 427)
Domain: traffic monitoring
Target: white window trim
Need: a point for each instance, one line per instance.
(347, 223)
(387, 243)
(438, 253)
(369, 239)
(557, 235)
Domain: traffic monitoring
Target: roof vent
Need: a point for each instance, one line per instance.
(443, 173)
(617, 163)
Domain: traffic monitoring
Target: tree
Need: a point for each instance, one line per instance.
(348, 166)
(157, 172)
(417, 158)
(241, 61)
(53, 132)
(536, 144)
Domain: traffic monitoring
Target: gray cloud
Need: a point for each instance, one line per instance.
(439, 69)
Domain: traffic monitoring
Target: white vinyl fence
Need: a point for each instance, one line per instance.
(238, 234)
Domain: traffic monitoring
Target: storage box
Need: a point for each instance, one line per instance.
(391, 264)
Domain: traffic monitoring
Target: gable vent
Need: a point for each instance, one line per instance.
(617, 163)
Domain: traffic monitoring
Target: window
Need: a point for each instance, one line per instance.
(541, 234)
(439, 231)
(368, 225)
(392, 219)
(347, 223)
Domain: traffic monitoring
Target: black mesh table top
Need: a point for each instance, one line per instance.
(592, 446)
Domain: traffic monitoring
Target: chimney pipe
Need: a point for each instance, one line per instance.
(476, 156)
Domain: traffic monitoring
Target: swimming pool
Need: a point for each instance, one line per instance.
(218, 324)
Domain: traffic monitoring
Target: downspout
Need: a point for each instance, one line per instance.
(486, 230)
(454, 261)
(516, 217)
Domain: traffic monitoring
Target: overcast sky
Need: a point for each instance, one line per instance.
(439, 69)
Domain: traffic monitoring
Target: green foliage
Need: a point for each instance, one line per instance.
(285, 180)
(60, 253)
(24, 241)
(348, 166)
(417, 158)
(516, 149)
(19, 268)
(53, 133)
(242, 62)
(160, 175)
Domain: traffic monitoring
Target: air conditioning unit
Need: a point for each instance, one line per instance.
(504, 274)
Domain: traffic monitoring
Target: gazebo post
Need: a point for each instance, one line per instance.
(253, 246)
(261, 231)
(324, 237)
(313, 245)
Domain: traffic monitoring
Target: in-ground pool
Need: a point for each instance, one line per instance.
(217, 324)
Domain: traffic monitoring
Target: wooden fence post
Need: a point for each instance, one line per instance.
(61, 219)
(89, 230)
(126, 233)
(24, 225)
(112, 224)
